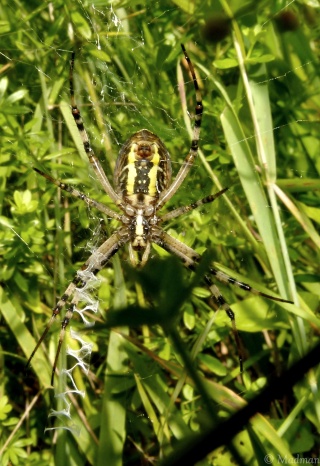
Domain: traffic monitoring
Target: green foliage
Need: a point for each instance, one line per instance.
(164, 366)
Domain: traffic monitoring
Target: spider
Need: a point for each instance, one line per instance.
(142, 185)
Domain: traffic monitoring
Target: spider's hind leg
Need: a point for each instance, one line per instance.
(93, 159)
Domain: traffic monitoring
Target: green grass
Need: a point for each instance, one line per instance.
(164, 373)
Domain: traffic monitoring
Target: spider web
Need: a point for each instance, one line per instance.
(135, 104)
(79, 358)
(142, 96)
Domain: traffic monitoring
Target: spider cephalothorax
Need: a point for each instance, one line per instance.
(142, 185)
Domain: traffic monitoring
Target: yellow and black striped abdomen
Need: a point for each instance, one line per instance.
(143, 168)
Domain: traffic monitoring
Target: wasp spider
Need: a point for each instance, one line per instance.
(142, 185)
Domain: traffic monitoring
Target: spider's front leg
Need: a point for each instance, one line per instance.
(190, 259)
(96, 262)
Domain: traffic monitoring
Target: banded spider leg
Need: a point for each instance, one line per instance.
(191, 258)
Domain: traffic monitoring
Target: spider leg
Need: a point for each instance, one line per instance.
(184, 209)
(225, 306)
(190, 158)
(190, 258)
(93, 159)
(79, 195)
(96, 262)
(224, 278)
(221, 276)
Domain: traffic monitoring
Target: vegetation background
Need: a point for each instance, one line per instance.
(175, 373)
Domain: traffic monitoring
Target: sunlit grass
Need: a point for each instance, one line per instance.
(259, 138)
